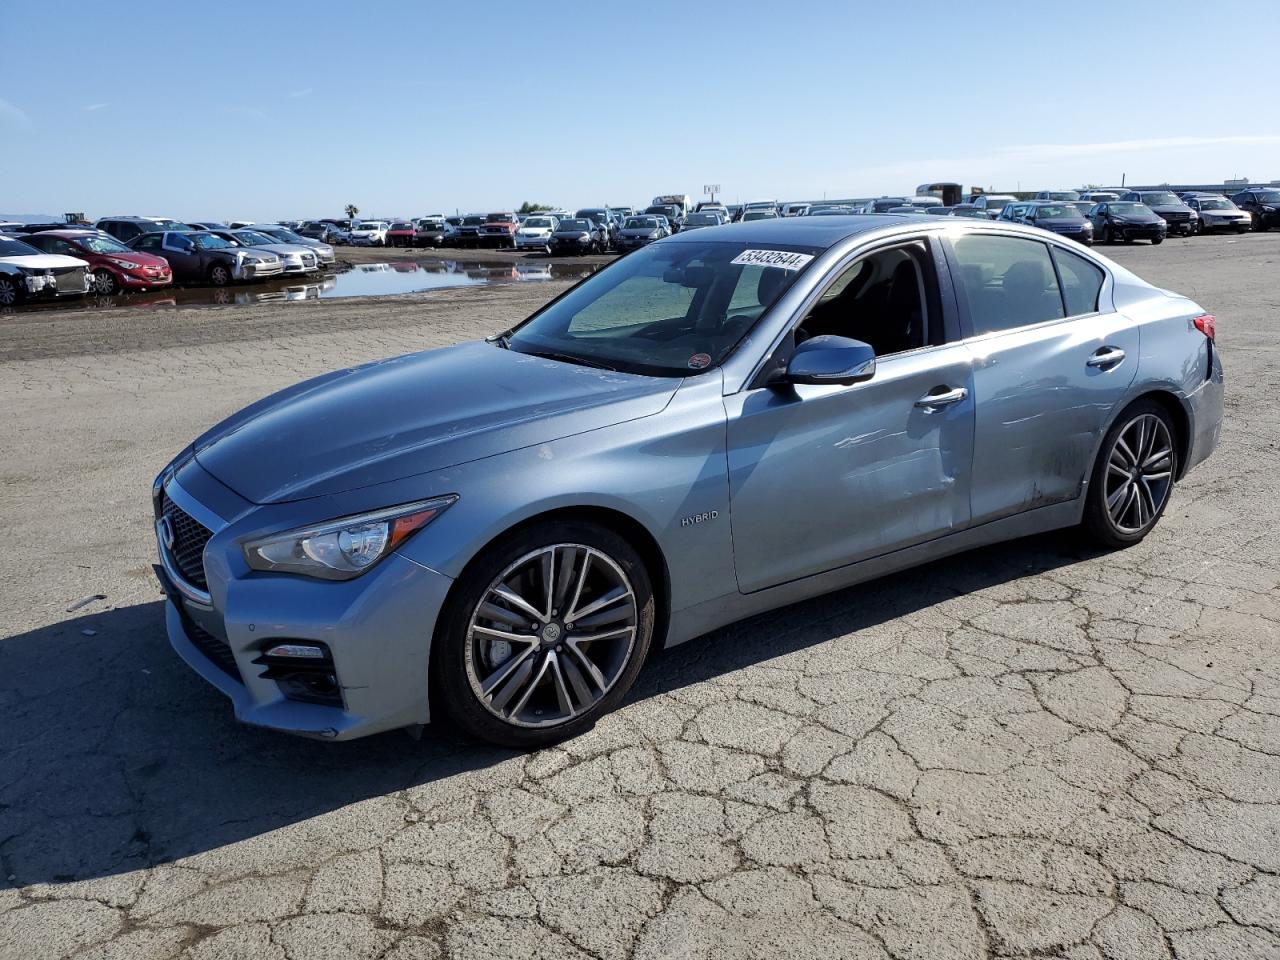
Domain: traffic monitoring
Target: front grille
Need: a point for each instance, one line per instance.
(1176, 217)
(189, 539)
(69, 279)
(218, 651)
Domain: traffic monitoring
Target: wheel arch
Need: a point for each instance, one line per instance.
(1173, 404)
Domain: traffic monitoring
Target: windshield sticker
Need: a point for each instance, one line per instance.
(784, 259)
(699, 361)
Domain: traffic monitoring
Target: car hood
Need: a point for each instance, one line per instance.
(414, 414)
(44, 261)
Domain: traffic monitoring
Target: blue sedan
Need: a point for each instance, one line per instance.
(723, 422)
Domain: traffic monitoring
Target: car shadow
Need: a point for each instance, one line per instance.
(114, 756)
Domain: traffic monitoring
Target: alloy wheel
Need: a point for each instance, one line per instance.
(1139, 473)
(8, 292)
(104, 283)
(551, 635)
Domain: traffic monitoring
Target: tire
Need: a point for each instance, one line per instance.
(571, 686)
(1108, 235)
(220, 275)
(10, 292)
(1242, 229)
(1156, 241)
(1142, 496)
(105, 283)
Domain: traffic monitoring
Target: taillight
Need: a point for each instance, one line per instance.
(1208, 325)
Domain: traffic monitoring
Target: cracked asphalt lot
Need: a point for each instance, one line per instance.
(1035, 750)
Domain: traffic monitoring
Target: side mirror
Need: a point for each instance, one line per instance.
(831, 360)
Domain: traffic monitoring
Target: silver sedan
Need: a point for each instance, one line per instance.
(724, 422)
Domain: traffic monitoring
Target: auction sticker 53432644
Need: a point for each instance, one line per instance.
(784, 259)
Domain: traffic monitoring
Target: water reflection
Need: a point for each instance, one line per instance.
(357, 280)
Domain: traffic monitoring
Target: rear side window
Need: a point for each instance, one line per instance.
(1007, 282)
(1081, 282)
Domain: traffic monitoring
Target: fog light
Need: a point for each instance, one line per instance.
(296, 650)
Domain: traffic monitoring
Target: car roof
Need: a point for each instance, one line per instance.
(807, 231)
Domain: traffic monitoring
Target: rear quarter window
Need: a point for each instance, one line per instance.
(1081, 282)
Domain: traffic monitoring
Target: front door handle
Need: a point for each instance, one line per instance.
(1105, 357)
(931, 401)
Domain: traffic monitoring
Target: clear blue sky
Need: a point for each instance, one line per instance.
(267, 109)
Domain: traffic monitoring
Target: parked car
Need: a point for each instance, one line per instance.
(1014, 212)
(734, 210)
(323, 231)
(402, 233)
(370, 233)
(578, 235)
(535, 233)
(208, 258)
(708, 218)
(27, 273)
(125, 229)
(759, 213)
(832, 210)
(294, 257)
(113, 266)
(489, 531)
(642, 230)
(1060, 218)
(1177, 214)
(967, 210)
(1219, 213)
(281, 234)
(708, 206)
(669, 212)
(1127, 221)
(1262, 204)
(794, 209)
(1057, 195)
(469, 230)
(992, 203)
(604, 219)
(499, 230)
(1099, 196)
(434, 232)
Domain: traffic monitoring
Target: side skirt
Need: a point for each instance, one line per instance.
(712, 614)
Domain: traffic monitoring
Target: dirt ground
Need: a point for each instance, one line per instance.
(1033, 751)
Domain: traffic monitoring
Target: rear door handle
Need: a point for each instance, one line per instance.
(1105, 357)
(931, 401)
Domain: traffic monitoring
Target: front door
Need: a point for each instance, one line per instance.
(824, 476)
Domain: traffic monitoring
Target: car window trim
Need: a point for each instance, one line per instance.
(967, 322)
(947, 299)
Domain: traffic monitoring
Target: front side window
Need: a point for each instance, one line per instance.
(150, 241)
(176, 241)
(1081, 282)
(667, 310)
(1007, 282)
(883, 299)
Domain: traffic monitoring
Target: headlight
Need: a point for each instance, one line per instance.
(343, 548)
(127, 264)
(254, 260)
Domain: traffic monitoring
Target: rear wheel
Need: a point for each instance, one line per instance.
(545, 633)
(1133, 478)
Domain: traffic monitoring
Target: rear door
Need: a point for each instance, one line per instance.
(823, 476)
(1051, 360)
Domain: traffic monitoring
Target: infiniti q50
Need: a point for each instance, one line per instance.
(723, 422)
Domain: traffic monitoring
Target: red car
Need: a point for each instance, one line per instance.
(115, 267)
(499, 230)
(402, 234)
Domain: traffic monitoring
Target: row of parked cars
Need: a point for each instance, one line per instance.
(50, 260)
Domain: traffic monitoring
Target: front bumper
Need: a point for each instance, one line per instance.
(1226, 223)
(497, 239)
(632, 243)
(1139, 231)
(140, 279)
(258, 271)
(378, 628)
(532, 243)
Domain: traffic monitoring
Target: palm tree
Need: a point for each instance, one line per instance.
(352, 211)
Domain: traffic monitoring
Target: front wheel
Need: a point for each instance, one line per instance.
(105, 283)
(1156, 241)
(546, 632)
(10, 292)
(220, 275)
(1133, 478)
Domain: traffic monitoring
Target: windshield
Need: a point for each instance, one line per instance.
(370, 225)
(401, 225)
(102, 245)
(171, 224)
(498, 218)
(995, 203)
(575, 225)
(16, 248)
(642, 223)
(1063, 195)
(1131, 209)
(1210, 203)
(472, 221)
(759, 215)
(251, 238)
(1056, 211)
(703, 220)
(207, 241)
(1269, 196)
(667, 310)
(1160, 196)
(538, 222)
(285, 236)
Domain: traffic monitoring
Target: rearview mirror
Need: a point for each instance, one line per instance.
(831, 360)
